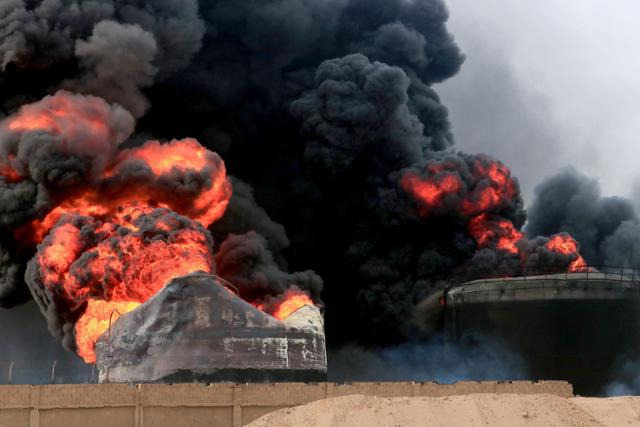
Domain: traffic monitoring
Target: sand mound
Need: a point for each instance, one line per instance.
(615, 411)
(466, 410)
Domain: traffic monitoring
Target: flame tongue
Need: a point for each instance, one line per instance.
(8, 173)
(431, 192)
(195, 186)
(286, 304)
(79, 118)
(185, 177)
(469, 188)
(489, 231)
(113, 239)
(293, 302)
(480, 190)
(565, 244)
(495, 188)
(95, 321)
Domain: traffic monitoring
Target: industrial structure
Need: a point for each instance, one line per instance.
(197, 330)
(578, 327)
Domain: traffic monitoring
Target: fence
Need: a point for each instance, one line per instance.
(47, 372)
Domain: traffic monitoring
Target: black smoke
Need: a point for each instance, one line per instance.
(52, 166)
(315, 105)
(319, 108)
(607, 228)
(109, 48)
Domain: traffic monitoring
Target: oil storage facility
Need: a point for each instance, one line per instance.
(578, 327)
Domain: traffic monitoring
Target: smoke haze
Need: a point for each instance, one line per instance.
(531, 93)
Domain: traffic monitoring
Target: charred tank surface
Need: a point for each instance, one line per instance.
(577, 327)
(195, 329)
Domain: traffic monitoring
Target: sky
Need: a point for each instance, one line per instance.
(549, 84)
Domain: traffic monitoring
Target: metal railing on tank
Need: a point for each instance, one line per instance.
(588, 272)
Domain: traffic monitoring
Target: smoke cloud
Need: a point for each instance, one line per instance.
(106, 48)
(117, 63)
(607, 228)
(347, 185)
(246, 261)
(359, 108)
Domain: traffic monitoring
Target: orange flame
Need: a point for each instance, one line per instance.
(83, 204)
(477, 190)
(119, 262)
(95, 322)
(487, 186)
(565, 244)
(500, 232)
(192, 159)
(294, 300)
(109, 244)
(80, 119)
(187, 157)
(496, 187)
(430, 192)
(180, 175)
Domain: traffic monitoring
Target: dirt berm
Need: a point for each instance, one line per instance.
(466, 410)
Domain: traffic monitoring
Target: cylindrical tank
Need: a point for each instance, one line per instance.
(577, 327)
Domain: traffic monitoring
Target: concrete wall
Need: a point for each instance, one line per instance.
(233, 405)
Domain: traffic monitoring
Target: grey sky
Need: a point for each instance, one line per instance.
(547, 84)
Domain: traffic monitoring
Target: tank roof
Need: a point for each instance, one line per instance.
(592, 285)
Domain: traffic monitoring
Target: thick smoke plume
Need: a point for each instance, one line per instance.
(112, 49)
(607, 228)
(347, 187)
(107, 234)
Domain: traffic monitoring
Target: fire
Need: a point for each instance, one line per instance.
(478, 186)
(124, 222)
(126, 260)
(80, 119)
(194, 163)
(499, 232)
(478, 190)
(495, 187)
(83, 204)
(9, 174)
(180, 175)
(431, 193)
(294, 300)
(178, 155)
(189, 161)
(565, 244)
(95, 322)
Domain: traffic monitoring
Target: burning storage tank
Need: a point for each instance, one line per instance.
(196, 329)
(572, 326)
(126, 234)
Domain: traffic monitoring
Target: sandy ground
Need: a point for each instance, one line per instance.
(467, 410)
